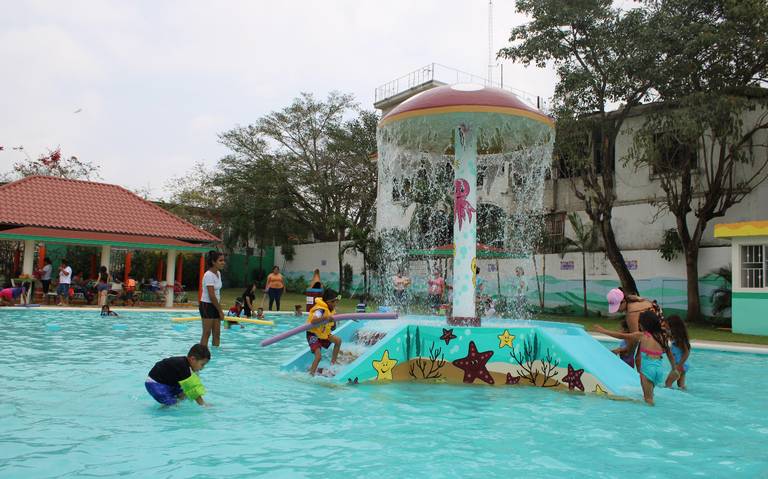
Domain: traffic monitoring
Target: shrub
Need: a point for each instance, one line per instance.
(347, 280)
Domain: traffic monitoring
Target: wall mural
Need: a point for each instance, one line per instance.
(489, 356)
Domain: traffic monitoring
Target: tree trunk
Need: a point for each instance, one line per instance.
(614, 255)
(584, 280)
(248, 254)
(692, 277)
(538, 283)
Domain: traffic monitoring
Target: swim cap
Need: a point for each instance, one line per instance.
(615, 297)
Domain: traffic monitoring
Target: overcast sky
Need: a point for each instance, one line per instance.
(155, 81)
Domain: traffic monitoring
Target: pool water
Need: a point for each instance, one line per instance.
(73, 404)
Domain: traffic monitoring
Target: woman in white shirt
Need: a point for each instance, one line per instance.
(210, 299)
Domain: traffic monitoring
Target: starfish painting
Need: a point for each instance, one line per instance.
(505, 339)
(512, 379)
(573, 378)
(474, 365)
(384, 366)
(447, 335)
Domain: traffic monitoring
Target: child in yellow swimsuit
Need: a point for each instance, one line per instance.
(321, 336)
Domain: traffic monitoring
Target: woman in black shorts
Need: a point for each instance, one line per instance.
(210, 299)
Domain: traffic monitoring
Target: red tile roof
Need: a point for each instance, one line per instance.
(88, 206)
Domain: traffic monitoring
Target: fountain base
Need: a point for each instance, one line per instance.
(464, 321)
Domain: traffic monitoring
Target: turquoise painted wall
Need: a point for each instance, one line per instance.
(749, 313)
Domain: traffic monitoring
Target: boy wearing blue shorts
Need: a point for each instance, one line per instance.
(174, 379)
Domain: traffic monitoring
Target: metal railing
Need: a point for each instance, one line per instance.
(448, 75)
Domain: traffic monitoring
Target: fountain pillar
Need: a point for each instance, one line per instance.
(464, 227)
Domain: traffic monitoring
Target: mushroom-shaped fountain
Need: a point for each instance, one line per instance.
(473, 125)
(453, 131)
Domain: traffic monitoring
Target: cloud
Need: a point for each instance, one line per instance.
(158, 81)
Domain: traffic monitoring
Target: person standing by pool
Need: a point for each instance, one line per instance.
(173, 379)
(102, 286)
(65, 278)
(45, 277)
(401, 283)
(435, 289)
(210, 299)
(275, 287)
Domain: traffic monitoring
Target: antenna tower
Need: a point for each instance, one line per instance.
(490, 43)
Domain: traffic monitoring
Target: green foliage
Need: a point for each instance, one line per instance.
(670, 246)
(296, 284)
(602, 56)
(585, 235)
(288, 251)
(348, 276)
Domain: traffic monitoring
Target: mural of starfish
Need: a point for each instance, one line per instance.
(384, 366)
(474, 365)
(447, 335)
(512, 379)
(505, 339)
(573, 378)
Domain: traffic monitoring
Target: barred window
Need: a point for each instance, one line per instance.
(753, 266)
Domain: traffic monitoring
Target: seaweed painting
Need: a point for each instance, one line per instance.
(528, 355)
(422, 368)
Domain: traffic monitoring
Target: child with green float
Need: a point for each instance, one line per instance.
(173, 379)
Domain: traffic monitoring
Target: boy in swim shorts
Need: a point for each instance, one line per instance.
(174, 379)
(321, 336)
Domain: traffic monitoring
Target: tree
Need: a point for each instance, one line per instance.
(53, 164)
(603, 56)
(256, 204)
(584, 240)
(333, 182)
(197, 198)
(703, 143)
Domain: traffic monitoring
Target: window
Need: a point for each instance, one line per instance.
(570, 163)
(554, 232)
(672, 155)
(753, 266)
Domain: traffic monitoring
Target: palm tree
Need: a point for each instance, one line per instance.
(585, 240)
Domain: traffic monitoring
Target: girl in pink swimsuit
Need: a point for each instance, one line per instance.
(653, 346)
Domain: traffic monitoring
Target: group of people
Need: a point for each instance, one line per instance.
(439, 292)
(647, 337)
(176, 378)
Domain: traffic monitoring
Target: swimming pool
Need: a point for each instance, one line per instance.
(74, 404)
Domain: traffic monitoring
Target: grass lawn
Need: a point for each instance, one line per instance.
(346, 305)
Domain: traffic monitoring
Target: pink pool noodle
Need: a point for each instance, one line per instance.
(337, 317)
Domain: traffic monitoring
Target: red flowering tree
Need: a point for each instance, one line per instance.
(53, 164)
